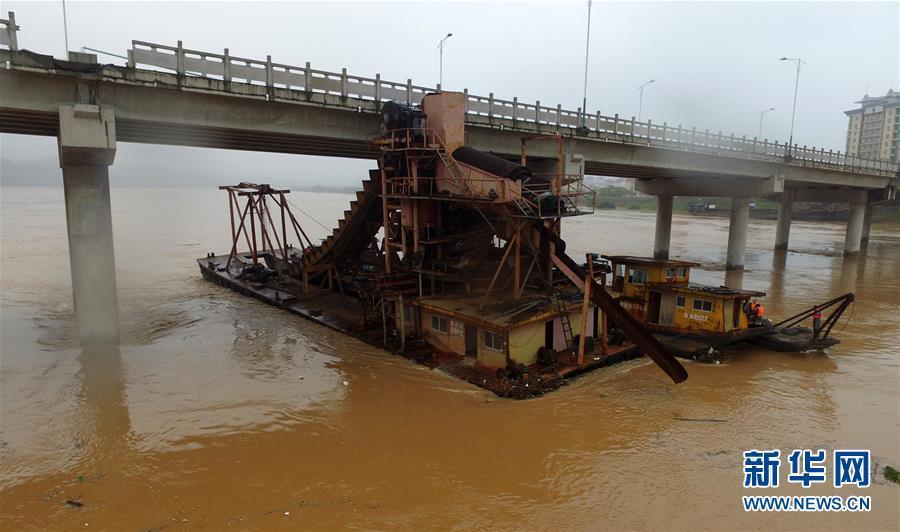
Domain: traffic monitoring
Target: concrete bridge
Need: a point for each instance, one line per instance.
(173, 95)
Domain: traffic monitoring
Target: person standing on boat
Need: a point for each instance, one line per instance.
(754, 311)
(817, 321)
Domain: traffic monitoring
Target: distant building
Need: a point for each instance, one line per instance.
(874, 129)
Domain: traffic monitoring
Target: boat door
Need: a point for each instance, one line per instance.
(653, 307)
(471, 340)
(667, 308)
(737, 308)
(548, 334)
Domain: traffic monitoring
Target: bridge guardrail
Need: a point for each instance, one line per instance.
(186, 62)
(8, 29)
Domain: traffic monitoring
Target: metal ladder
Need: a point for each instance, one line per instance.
(451, 165)
(525, 207)
(564, 320)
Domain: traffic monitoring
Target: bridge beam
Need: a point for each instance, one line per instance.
(87, 146)
(832, 195)
(737, 233)
(707, 186)
(663, 227)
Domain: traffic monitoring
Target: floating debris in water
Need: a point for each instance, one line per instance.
(892, 474)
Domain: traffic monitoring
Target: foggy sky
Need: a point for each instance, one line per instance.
(715, 64)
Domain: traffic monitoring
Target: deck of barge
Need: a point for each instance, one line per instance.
(345, 314)
(325, 307)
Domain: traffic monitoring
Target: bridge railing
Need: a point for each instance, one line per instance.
(271, 75)
(8, 29)
(229, 68)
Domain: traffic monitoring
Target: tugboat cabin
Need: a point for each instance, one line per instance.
(660, 294)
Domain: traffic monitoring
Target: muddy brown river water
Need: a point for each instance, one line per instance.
(218, 411)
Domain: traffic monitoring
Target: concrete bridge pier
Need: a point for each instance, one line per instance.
(663, 227)
(867, 225)
(855, 222)
(734, 279)
(87, 146)
(739, 190)
(737, 233)
(783, 225)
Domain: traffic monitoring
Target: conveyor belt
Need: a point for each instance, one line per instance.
(354, 231)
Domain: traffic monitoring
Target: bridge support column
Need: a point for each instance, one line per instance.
(87, 146)
(867, 225)
(855, 222)
(783, 227)
(663, 227)
(737, 233)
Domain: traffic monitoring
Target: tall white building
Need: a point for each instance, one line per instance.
(874, 129)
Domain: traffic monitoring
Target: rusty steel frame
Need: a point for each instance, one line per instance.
(842, 302)
(509, 246)
(585, 305)
(632, 328)
(257, 207)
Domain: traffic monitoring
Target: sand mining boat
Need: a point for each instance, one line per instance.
(695, 320)
(449, 256)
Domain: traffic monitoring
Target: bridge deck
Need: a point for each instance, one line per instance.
(188, 109)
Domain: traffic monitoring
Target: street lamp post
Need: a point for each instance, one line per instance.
(65, 28)
(641, 99)
(441, 47)
(799, 62)
(761, 115)
(587, 49)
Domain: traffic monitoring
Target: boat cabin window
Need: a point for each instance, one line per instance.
(440, 324)
(704, 305)
(637, 276)
(493, 341)
(675, 273)
(679, 301)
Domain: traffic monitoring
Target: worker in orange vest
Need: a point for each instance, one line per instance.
(754, 310)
